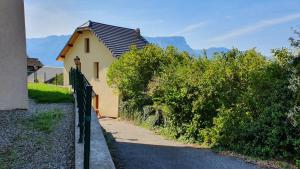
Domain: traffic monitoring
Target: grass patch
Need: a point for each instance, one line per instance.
(45, 121)
(57, 80)
(47, 93)
(39, 140)
(7, 157)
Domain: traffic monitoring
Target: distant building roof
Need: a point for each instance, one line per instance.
(34, 62)
(117, 39)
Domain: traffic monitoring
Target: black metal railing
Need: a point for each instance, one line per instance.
(84, 93)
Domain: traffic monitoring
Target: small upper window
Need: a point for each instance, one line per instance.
(96, 70)
(79, 66)
(87, 45)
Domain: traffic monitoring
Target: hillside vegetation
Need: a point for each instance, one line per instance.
(239, 101)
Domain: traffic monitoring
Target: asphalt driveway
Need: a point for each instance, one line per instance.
(138, 148)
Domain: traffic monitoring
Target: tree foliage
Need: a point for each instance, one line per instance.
(235, 100)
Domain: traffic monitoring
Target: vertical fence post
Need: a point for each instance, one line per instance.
(73, 77)
(80, 104)
(70, 77)
(35, 77)
(75, 80)
(56, 79)
(87, 126)
(78, 87)
(83, 92)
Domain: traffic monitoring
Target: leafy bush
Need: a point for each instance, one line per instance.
(236, 100)
(132, 72)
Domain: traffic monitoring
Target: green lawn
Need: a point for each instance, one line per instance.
(46, 93)
(57, 80)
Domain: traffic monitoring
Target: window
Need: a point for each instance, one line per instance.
(96, 105)
(96, 70)
(97, 102)
(87, 45)
(79, 66)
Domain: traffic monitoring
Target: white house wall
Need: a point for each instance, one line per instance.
(108, 100)
(13, 62)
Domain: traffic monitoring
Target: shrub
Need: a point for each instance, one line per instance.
(133, 71)
(236, 100)
(298, 163)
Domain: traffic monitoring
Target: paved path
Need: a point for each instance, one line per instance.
(138, 148)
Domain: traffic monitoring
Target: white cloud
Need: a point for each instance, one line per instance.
(256, 26)
(228, 17)
(190, 28)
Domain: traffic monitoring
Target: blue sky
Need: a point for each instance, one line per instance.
(264, 24)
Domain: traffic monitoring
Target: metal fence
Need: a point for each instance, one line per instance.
(84, 94)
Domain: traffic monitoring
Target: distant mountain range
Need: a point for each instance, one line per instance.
(180, 43)
(177, 41)
(47, 49)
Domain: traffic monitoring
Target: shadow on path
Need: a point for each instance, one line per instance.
(138, 148)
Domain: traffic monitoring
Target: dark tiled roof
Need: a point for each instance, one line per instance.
(34, 62)
(117, 39)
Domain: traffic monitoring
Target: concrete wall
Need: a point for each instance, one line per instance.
(100, 157)
(108, 100)
(46, 73)
(13, 63)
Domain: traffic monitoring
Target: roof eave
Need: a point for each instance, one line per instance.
(70, 43)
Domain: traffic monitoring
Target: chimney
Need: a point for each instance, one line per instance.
(138, 32)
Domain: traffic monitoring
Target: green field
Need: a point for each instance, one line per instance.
(45, 93)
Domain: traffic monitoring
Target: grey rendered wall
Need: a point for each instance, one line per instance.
(46, 73)
(13, 77)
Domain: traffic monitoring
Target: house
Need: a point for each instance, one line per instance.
(45, 74)
(98, 45)
(33, 64)
(13, 81)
